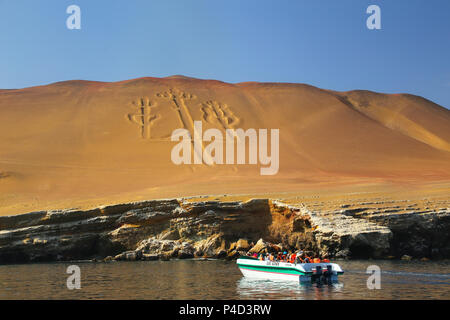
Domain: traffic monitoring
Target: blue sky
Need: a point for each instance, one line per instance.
(323, 43)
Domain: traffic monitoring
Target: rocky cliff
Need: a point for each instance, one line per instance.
(178, 228)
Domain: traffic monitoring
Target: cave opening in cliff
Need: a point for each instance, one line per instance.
(361, 251)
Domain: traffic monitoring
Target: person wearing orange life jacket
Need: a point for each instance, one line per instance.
(316, 259)
(293, 258)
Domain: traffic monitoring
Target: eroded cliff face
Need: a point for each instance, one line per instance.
(164, 229)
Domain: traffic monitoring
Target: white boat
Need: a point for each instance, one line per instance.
(324, 272)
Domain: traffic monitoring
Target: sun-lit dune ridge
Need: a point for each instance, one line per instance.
(84, 143)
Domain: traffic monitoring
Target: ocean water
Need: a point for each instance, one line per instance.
(216, 279)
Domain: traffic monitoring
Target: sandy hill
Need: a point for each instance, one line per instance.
(82, 143)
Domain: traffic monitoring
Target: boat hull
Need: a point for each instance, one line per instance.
(258, 274)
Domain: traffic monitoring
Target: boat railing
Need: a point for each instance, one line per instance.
(247, 257)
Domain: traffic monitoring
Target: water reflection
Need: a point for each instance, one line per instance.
(276, 289)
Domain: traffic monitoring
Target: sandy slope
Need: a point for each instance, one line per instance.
(81, 143)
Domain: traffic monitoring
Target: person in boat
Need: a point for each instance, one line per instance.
(298, 257)
(306, 259)
(289, 257)
(283, 257)
(325, 259)
(261, 257)
(255, 255)
(316, 259)
(293, 258)
(279, 256)
(271, 257)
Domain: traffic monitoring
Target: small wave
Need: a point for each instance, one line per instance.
(443, 276)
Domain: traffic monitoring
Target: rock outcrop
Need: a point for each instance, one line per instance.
(165, 229)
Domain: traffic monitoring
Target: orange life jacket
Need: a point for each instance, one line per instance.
(316, 260)
(293, 258)
(326, 260)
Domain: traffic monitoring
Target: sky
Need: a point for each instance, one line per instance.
(325, 43)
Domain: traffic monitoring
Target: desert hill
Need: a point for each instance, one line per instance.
(83, 143)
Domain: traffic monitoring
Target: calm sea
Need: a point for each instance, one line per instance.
(215, 279)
